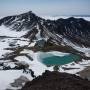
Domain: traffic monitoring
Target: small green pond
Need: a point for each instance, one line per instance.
(59, 60)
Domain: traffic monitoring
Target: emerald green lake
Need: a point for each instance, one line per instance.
(58, 60)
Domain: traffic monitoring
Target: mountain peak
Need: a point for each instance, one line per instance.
(74, 29)
(29, 13)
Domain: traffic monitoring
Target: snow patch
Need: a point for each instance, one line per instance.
(32, 44)
(5, 31)
(83, 49)
(23, 58)
(8, 76)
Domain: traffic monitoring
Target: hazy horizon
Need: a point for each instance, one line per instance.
(45, 7)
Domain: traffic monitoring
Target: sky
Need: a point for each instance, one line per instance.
(45, 7)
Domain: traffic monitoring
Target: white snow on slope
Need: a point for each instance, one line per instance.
(6, 42)
(5, 31)
(22, 42)
(23, 58)
(38, 36)
(81, 66)
(77, 68)
(8, 76)
(32, 44)
(2, 46)
(83, 49)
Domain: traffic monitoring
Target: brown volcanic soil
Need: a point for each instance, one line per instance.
(57, 81)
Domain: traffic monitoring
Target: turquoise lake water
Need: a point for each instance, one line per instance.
(58, 60)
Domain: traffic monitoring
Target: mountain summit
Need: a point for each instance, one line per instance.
(75, 30)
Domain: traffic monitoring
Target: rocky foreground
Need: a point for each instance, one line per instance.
(57, 81)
